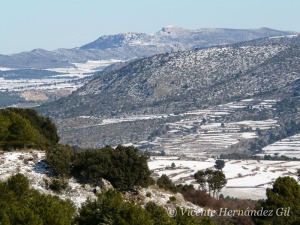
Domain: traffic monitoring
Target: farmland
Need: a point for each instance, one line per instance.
(246, 179)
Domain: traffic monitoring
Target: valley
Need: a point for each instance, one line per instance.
(34, 87)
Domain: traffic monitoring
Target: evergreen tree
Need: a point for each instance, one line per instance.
(285, 193)
(219, 164)
(59, 158)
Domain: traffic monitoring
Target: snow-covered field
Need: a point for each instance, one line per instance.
(196, 133)
(69, 79)
(193, 137)
(90, 66)
(245, 178)
(289, 147)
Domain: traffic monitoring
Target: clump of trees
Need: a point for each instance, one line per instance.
(211, 180)
(24, 128)
(59, 158)
(125, 167)
(286, 129)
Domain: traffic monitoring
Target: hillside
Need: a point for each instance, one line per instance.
(177, 101)
(184, 81)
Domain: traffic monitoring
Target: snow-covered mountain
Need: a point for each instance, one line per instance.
(135, 45)
(144, 94)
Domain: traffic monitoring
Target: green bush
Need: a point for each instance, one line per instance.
(59, 159)
(24, 128)
(125, 167)
(165, 182)
(57, 185)
(111, 209)
(172, 198)
(19, 204)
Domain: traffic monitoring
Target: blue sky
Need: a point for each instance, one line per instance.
(51, 24)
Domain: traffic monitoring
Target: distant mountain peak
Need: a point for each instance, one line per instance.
(171, 29)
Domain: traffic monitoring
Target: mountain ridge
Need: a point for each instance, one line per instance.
(159, 81)
(132, 45)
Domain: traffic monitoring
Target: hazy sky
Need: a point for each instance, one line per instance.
(51, 24)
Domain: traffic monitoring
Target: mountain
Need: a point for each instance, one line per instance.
(149, 97)
(185, 80)
(135, 45)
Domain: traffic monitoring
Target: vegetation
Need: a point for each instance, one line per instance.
(241, 156)
(285, 194)
(110, 208)
(165, 182)
(57, 185)
(288, 129)
(219, 164)
(202, 199)
(20, 204)
(60, 158)
(212, 180)
(9, 98)
(27, 74)
(24, 128)
(125, 167)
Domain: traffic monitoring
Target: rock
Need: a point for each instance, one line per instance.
(104, 184)
(87, 187)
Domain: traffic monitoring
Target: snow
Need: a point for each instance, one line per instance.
(69, 79)
(289, 147)
(195, 137)
(284, 36)
(5, 69)
(247, 179)
(32, 165)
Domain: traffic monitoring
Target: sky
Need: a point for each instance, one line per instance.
(51, 24)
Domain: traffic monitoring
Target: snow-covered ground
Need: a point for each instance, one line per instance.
(69, 79)
(85, 68)
(245, 178)
(191, 137)
(31, 164)
(289, 147)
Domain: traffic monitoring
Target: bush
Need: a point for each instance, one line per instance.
(57, 185)
(125, 167)
(172, 198)
(59, 159)
(165, 182)
(110, 208)
(24, 128)
(19, 204)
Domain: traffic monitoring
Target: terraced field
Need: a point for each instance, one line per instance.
(289, 147)
(193, 137)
